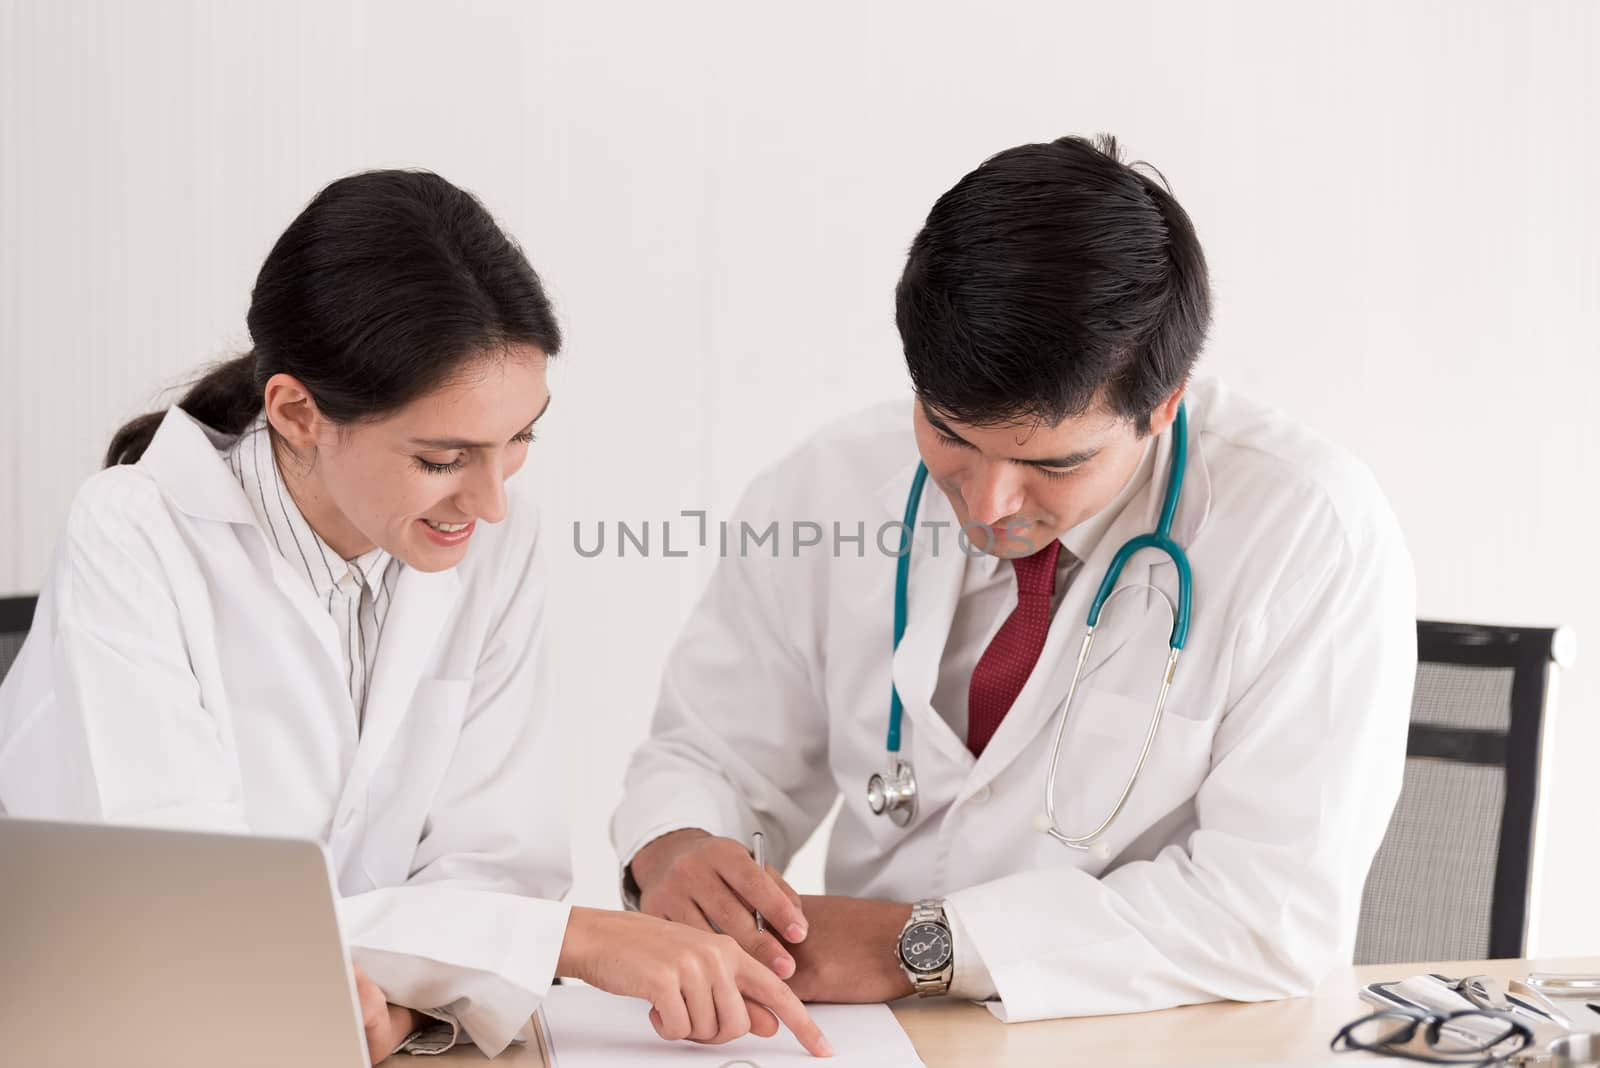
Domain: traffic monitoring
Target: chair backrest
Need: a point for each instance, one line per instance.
(16, 616)
(1451, 880)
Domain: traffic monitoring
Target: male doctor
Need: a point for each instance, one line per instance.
(1051, 311)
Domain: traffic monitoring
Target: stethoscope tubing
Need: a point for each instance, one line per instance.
(902, 582)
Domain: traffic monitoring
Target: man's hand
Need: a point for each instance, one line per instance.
(693, 878)
(386, 1025)
(852, 953)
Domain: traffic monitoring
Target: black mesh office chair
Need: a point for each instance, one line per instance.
(1451, 880)
(16, 616)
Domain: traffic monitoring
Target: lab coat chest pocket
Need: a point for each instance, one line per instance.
(1105, 733)
(402, 791)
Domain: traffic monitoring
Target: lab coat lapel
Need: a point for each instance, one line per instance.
(933, 590)
(422, 603)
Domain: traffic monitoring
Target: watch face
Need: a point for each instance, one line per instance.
(925, 947)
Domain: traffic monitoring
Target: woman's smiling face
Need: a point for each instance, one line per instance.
(415, 482)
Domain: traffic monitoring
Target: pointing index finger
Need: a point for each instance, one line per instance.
(763, 987)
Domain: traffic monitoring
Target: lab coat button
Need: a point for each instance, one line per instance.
(982, 794)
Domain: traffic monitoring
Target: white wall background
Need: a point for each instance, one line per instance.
(1398, 201)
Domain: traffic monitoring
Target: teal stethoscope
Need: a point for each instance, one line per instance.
(895, 795)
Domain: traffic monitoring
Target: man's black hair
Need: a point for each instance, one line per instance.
(1050, 276)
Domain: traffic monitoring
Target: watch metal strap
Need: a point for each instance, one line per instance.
(932, 984)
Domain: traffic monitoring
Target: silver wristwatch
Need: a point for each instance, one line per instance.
(926, 953)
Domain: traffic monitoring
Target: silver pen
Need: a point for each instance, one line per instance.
(759, 848)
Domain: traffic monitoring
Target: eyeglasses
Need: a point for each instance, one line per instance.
(1480, 1037)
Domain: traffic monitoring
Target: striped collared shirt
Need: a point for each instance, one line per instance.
(356, 593)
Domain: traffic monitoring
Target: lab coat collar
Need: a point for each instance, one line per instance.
(185, 460)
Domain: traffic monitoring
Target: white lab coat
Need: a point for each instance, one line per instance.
(181, 673)
(1236, 870)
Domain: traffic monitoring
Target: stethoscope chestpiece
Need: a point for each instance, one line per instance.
(895, 796)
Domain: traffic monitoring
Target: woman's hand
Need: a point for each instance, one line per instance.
(386, 1025)
(700, 986)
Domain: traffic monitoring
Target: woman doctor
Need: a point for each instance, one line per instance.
(305, 601)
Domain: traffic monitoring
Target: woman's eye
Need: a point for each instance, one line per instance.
(524, 438)
(440, 469)
(953, 442)
(1056, 472)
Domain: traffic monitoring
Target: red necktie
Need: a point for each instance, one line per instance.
(1005, 666)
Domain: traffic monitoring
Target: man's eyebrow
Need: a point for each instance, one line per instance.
(1072, 459)
(939, 424)
(461, 443)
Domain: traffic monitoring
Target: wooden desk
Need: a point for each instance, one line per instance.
(962, 1035)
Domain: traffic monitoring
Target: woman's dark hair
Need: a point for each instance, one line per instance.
(377, 293)
(1052, 273)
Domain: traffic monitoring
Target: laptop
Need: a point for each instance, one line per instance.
(128, 947)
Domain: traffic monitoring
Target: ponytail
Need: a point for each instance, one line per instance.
(384, 287)
(226, 399)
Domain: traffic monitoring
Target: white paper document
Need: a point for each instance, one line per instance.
(582, 1027)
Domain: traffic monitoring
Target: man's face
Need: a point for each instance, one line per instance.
(1016, 486)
